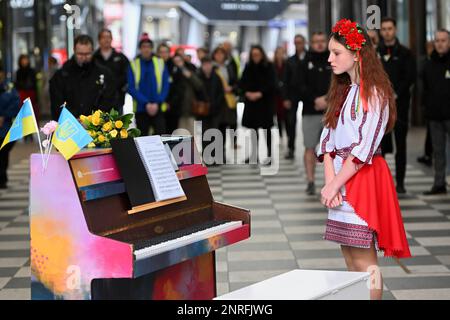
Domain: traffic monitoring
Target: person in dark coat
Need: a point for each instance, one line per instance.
(399, 64)
(82, 84)
(211, 92)
(234, 65)
(116, 62)
(163, 52)
(258, 85)
(9, 107)
(184, 86)
(279, 61)
(292, 85)
(227, 69)
(427, 157)
(436, 80)
(317, 77)
(26, 86)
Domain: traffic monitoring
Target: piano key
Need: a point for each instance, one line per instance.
(141, 244)
(188, 238)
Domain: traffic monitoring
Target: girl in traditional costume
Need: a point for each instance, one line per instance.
(364, 213)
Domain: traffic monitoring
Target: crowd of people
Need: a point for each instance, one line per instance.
(169, 92)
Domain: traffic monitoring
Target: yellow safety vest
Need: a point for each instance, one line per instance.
(158, 65)
(238, 64)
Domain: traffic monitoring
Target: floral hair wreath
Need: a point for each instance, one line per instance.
(351, 32)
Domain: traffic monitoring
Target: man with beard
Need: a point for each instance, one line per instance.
(82, 84)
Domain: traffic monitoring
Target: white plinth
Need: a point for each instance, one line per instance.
(307, 285)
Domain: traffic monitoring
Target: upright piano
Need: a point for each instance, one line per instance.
(85, 243)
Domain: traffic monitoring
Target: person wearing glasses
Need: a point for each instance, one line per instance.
(82, 84)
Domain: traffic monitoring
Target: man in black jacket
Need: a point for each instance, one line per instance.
(400, 66)
(116, 62)
(436, 80)
(317, 78)
(292, 86)
(81, 83)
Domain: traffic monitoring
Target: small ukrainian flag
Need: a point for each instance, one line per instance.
(23, 125)
(70, 136)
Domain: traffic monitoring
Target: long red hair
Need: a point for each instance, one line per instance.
(374, 77)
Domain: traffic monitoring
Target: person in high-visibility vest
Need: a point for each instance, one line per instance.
(148, 84)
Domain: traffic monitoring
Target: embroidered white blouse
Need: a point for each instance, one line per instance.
(357, 133)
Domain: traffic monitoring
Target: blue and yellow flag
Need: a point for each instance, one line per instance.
(70, 136)
(23, 125)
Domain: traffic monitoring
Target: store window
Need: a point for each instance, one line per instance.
(403, 21)
(432, 19)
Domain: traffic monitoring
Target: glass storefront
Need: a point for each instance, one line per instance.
(403, 21)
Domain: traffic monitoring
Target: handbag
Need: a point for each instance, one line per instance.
(229, 97)
(200, 108)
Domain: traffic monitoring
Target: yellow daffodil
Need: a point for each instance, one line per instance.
(113, 133)
(101, 138)
(107, 126)
(91, 145)
(123, 133)
(92, 133)
(89, 118)
(83, 118)
(118, 124)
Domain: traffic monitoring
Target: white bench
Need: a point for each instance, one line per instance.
(307, 285)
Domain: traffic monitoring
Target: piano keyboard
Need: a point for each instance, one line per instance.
(177, 239)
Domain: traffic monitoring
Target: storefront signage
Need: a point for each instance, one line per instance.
(255, 10)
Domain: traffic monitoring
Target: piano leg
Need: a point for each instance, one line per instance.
(123, 289)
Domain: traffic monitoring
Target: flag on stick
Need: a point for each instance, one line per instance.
(23, 125)
(70, 136)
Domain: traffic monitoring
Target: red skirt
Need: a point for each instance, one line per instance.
(371, 192)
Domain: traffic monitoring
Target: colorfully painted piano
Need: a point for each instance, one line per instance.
(86, 245)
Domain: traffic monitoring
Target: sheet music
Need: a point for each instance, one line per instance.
(159, 167)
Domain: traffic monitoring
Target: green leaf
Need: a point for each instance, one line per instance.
(134, 133)
(127, 118)
(114, 114)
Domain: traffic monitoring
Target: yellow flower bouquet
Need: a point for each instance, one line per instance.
(104, 127)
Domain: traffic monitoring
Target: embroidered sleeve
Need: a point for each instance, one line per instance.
(326, 144)
(370, 131)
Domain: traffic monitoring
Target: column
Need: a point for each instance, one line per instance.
(417, 41)
(42, 27)
(319, 16)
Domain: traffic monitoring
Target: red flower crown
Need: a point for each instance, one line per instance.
(352, 32)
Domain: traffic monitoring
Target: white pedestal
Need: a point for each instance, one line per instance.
(307, 285)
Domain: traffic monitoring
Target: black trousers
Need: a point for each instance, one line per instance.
(157, 122)
(281, 125)
(400, 134)
(254, 155)
(291, 125)
(428, 143)
(440, 133)
(211, 123)
(172, 122)
(4, 160)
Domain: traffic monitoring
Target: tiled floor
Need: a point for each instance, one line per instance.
(287, 229)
